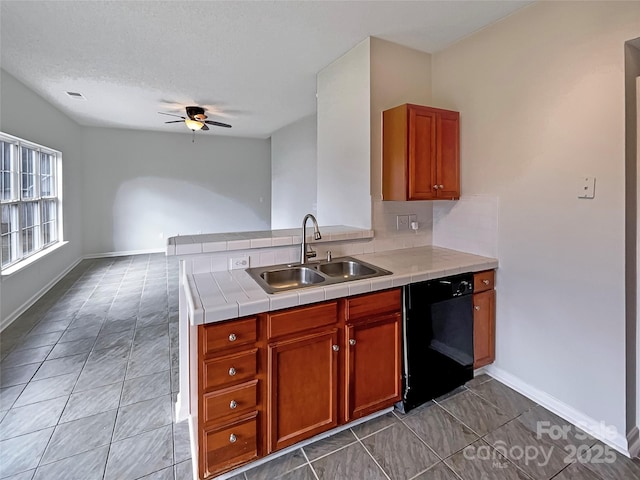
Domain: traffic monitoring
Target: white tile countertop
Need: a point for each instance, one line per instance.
(217, 296)
(220, 242)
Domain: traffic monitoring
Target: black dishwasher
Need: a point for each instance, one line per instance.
(438, 338)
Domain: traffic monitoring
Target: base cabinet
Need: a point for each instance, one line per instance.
(265, 383)
(484, 319)
(303, 388)
(229, 405)
(373, 365)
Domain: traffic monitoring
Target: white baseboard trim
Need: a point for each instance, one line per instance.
(5, 322)
(568, 413)
(182, 412)
(124, 253)
(633, 440)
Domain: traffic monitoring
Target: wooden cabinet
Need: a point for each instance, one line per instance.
(303, 358)
(420, 153)
(229, 405)
(484, 318)
(265, 383)
(373, 361)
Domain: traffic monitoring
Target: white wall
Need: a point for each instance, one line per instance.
(26, 115)
(344, 140)
(541, 96)
(398, 75)
(293, 173)
(142, 187)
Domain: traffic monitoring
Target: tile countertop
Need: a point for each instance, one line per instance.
(220, 242)
(217, 296)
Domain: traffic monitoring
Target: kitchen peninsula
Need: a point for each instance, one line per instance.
(262, 372)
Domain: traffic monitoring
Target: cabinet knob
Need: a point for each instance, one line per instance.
(232, 372)
(232, 337)
(485, 281)
(352, 342)
(440, 186)
(435, 187)
(232, 438)
(477, 307)
(336, 348)
(233, 404)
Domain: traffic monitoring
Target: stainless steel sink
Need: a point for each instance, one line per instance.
(280, 278)
(294, 277)
(345, 269)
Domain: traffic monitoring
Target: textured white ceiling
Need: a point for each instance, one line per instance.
(253, 62)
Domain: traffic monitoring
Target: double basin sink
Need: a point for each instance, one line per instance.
(280, 278)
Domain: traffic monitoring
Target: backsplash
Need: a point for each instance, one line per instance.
(384, 227)
(469, 224)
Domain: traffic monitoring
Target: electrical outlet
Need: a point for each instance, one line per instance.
(402, 222)
(239, 262)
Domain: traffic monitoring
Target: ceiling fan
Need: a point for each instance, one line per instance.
(195, 119)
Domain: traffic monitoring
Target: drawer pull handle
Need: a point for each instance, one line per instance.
(485, 281)
(232, 372)
(352, 342)
(232, 438)
(477, 307)
(336, 348)
(233, 404)
(232, 337)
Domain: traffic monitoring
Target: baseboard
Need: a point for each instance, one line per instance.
(593, 427)
(633, 440)
(181, 410)
(125, 253)
(5, 322)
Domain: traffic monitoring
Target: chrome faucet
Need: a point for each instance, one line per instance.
(304, 255)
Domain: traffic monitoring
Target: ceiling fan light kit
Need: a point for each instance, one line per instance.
(196, 119)
(193, 124)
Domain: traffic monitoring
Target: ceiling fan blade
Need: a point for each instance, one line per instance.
(172, 114)
(218, 124)
(204, 127)
(175, 121)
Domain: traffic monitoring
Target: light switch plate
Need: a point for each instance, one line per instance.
(587, 187)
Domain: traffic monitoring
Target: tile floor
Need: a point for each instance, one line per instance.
(88, 376)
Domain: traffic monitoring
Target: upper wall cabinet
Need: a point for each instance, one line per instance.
(420, 153)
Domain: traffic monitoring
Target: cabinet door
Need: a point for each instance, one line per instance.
(448, 155)
(484, 320)
(303, 388)
(422, 153)
(373, 365)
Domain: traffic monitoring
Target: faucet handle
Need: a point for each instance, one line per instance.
(328, 255)
(312, 254)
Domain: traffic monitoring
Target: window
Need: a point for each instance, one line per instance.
(30, 204)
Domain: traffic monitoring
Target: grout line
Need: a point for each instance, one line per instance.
(375, 461)
(332, 451)
(309, 463)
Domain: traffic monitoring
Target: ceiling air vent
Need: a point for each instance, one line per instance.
(76, 95)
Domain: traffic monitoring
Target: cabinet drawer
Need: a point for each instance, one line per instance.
(301, 319)
(230, 445)
(228, 334)
(237, 400)
(388, 301)
(230, 369)
(483, 281)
